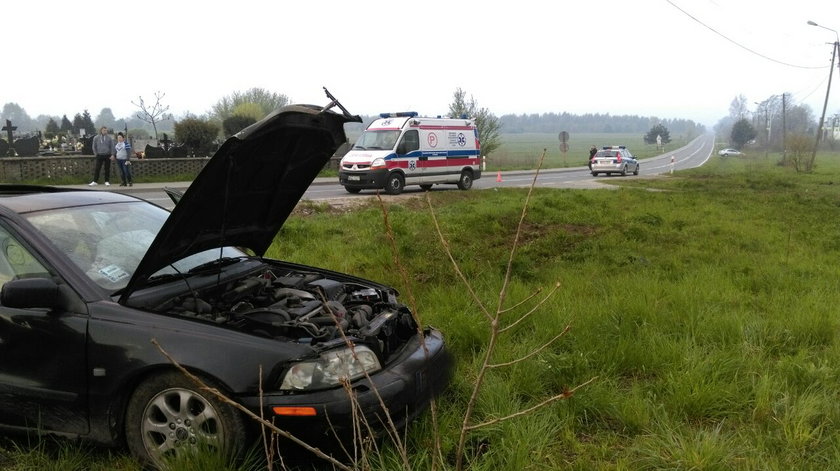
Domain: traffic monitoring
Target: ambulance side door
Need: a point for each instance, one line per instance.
(408, 149)
(433, 161)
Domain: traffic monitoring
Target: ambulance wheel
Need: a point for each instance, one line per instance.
(350, 189)
(636, 172)
(426, 186)
(465, 183)
(395, 184)
(594, 174)
(624, 171)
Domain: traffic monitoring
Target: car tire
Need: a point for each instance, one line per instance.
(594, 174)
(168, 414)
(395, 184)
(426, 186)
(636, 171)
(352, 190)
(466, 180)
(624, 170)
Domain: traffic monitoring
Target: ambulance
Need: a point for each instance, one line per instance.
(400, 149)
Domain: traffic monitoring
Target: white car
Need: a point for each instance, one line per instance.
(613, 159)
(727, 152)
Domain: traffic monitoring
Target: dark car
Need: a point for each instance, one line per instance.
(614, 159)
(90, 279)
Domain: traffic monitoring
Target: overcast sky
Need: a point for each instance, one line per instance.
(643, 57)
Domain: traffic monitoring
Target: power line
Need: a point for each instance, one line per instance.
(739, 44)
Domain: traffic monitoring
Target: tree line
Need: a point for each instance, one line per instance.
(593, 123)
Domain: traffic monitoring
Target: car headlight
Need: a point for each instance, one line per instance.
(377, 163)
(330, 369)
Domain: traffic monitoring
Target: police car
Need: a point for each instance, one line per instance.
(614, 159)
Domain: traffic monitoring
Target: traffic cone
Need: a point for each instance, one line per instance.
(499, 176)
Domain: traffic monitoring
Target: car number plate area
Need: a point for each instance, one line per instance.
(354, 178)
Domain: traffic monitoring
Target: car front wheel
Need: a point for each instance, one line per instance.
(636, 172)
(168, 416)
(395, 184)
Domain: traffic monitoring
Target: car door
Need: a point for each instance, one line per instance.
(42, 352)
(408, 149)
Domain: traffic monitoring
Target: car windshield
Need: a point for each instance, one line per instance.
(384, 139)
(607, 153)
(107, 241)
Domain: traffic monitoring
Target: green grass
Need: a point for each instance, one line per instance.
(706, 308)
(523, 151)
(704, 302)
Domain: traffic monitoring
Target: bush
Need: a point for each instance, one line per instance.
(197, 134)
(236, 123)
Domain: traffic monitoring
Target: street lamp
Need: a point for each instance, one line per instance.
(834, 48)
(837, 36)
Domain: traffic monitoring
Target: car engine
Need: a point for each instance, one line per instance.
(302, 307)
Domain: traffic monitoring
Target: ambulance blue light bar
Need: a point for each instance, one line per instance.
(401, 114)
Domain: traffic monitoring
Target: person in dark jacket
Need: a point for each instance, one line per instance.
(592, 151)
(103, 148)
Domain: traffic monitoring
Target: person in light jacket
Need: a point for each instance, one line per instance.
(103, 148)
(122, 151)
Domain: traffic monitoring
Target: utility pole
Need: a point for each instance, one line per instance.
(784, 129)
(825, 104)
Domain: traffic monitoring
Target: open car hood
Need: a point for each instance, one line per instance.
(248, 188)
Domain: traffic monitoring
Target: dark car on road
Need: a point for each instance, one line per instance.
(97, 285)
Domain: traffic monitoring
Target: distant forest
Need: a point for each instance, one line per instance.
(594, 123)
(573, 123)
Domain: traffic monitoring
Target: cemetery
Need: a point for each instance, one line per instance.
(28, 158)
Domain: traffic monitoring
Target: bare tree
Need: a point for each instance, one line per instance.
(738, 108)
(489, 126)
(153, 114)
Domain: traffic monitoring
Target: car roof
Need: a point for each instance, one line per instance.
(24, 199)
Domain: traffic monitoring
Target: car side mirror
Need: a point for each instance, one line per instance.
(28, 293)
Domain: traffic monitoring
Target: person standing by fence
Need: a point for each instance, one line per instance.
(103, 148)
(122, 151)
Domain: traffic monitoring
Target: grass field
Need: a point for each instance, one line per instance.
(704, 304)
(523, 151)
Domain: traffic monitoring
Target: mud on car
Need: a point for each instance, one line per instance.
(90, 278)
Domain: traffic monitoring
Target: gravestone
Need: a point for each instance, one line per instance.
(27, 147)
(167, 143)
(10, 139)
(4, 148)
(152, 152)
(87, 145)
(178, 151)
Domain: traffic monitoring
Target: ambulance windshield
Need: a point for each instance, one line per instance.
(384, 139)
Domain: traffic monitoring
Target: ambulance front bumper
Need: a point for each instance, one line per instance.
(364, 179)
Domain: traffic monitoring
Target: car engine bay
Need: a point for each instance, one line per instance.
(303, 307)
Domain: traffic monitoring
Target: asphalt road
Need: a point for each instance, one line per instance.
(692, 155)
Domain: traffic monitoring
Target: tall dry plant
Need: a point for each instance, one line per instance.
(500, 322)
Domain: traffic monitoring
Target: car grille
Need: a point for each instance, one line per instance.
(355, 167)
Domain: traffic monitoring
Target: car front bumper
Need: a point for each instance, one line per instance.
(405, 387)
(366, 179)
